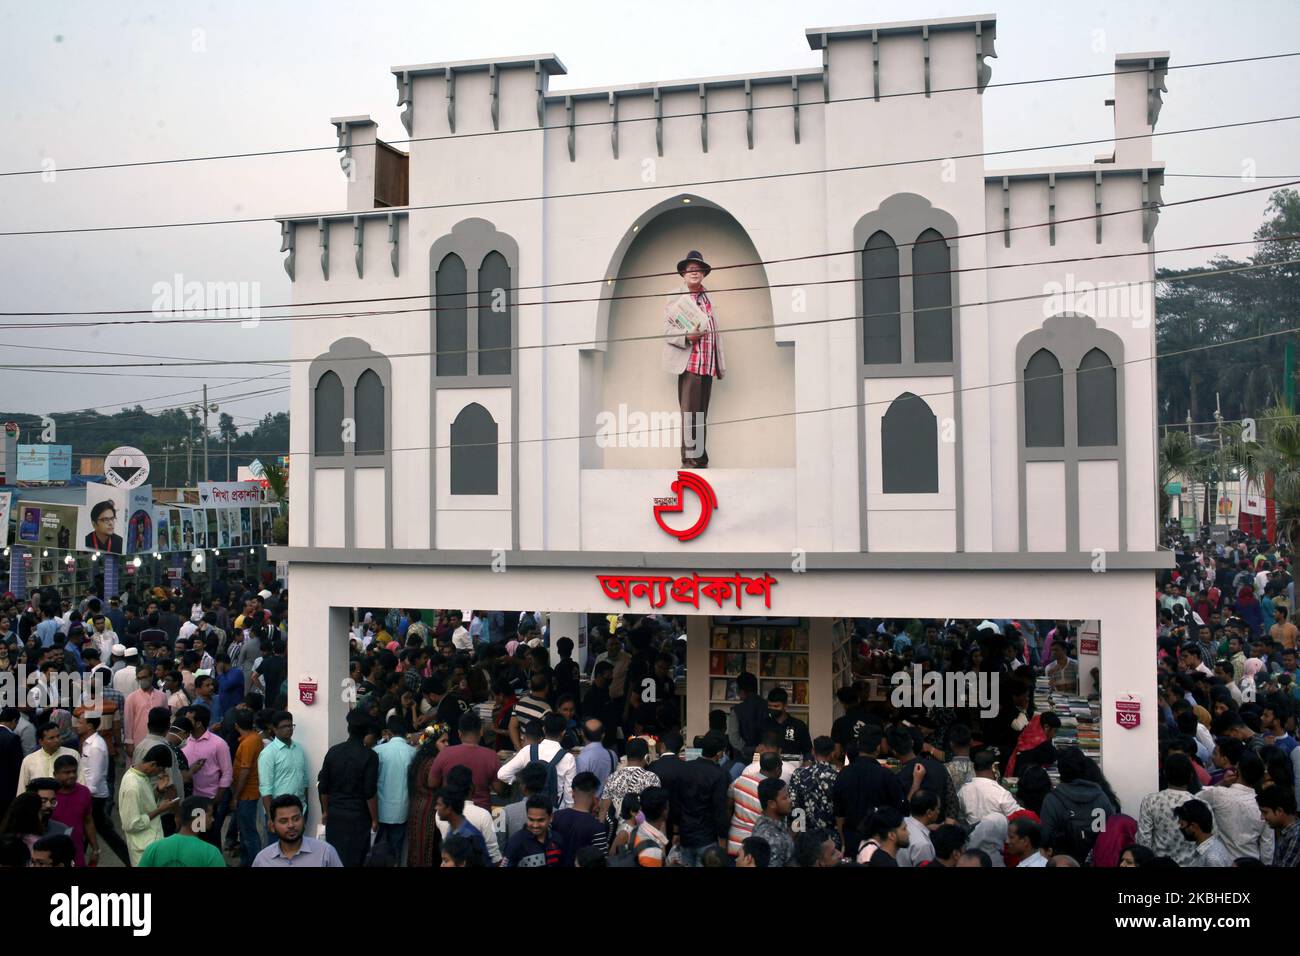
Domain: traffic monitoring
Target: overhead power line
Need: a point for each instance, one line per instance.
(758, 177)
(253, 154)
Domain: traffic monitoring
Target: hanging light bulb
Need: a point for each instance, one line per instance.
(45, 554)
(93, 557)
(136, 562)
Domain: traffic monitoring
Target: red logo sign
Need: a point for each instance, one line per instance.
(1089, 645)
(1128, 713)
(307, 692)
(708, 502)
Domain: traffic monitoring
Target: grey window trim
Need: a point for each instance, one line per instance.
(349, 358)
(904, 216)
(472, 239)
(1069, 336)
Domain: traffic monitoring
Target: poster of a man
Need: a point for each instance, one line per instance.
(693, 352)
(29, 528)
(103, 534)
(50, 525)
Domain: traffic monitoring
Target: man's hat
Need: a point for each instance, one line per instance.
(693, 256)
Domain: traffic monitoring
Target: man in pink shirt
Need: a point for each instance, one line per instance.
(135, 723)
(213, 777)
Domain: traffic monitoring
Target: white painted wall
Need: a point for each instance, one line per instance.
(747, 518)
(806, 369)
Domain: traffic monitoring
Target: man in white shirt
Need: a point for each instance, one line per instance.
(925, 811)
(984, 795)
(124, 679)
(95, 773)
(1024, 839)
(542, 744)
(102, 636)
(1237, 820)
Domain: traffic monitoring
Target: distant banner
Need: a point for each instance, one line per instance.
(187, 529)
(140, 520)
(1252, 500)
(43, 525)
(44, 463)
(102, 520)
(6, 500)
(217, 494)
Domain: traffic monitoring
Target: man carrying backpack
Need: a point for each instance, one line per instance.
(1076, 811)
(542, 745)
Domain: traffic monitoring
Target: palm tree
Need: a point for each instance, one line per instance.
(1178, 456)
(277, 479)
(1272, 457)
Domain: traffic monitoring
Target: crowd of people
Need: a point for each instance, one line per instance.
(476, 740)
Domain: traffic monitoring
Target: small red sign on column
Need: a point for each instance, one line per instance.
(307, 692)
(1128, 713)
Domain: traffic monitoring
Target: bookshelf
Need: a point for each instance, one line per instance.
(73, 580)
(775, 650)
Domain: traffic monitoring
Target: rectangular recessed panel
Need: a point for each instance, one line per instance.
(327, 508)
(1099, 505)
(368, 494)
(1045, 505)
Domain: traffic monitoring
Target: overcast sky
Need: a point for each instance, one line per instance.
(90, 82)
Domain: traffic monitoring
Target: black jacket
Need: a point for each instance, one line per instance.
(11, 759)
(700, 792)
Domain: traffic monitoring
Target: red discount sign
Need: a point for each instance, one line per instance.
(1128, 713)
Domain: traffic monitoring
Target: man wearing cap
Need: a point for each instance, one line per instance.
(696, 358)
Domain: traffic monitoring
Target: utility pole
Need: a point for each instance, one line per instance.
(189, 449)
(167, 464)
(1191, 479)
(1222, 481)
(1288, 375)
(227, 457)
(206, 473)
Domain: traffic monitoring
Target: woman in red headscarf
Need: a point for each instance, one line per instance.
(1035, 743)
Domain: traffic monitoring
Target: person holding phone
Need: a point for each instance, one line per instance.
(138, 807)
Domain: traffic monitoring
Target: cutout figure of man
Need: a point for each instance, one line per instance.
(694, 357)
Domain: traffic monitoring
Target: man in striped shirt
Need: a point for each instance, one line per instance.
(696, 358)
(746, 807)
